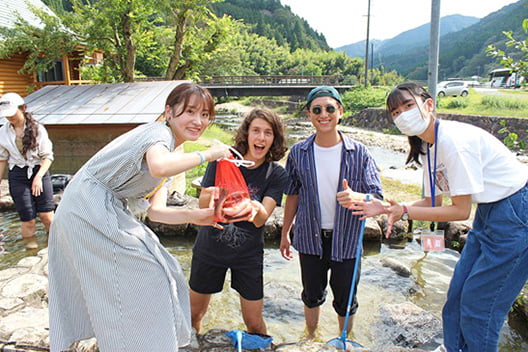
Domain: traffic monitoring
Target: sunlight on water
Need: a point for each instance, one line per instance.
(283, 308)
(11, 241)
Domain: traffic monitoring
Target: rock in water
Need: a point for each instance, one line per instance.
(398, 267)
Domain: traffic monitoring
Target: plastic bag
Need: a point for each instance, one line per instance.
(232, 187)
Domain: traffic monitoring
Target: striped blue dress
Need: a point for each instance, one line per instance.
(109, 276)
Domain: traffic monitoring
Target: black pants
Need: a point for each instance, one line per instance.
(27, 205)
(314, 273)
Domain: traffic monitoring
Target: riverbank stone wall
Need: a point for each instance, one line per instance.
(377, 119)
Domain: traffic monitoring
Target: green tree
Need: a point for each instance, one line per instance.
(519, 64)
(117, 27)
(182, 17)
(43, 44)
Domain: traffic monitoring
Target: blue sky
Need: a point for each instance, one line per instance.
(345, 22)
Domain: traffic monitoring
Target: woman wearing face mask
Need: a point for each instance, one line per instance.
(469, 165)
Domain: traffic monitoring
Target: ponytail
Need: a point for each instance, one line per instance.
(29, 141)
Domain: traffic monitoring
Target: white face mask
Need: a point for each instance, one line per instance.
(411, 122)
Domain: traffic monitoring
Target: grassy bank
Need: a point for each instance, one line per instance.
(487, 105)
(505, 103)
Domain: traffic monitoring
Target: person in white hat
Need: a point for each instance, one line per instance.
(27, 150)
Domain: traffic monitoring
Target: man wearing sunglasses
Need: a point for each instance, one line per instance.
(327, 172)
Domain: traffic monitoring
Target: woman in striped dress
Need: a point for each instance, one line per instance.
(109, 276)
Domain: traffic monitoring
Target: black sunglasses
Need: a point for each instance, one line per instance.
(317, 110)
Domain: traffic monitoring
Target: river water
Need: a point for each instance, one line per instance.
(283, 309)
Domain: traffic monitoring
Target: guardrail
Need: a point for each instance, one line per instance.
(274, 80)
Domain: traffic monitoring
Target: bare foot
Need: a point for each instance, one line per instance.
(30, 242)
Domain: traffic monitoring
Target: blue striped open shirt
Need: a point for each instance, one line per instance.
(358, 167)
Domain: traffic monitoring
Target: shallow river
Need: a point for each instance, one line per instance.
(283, 308)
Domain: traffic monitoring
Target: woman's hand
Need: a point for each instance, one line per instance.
(36, 186)
(217, 151)
(208, 195)
(394, 212)
(242, 211)
(368, 209)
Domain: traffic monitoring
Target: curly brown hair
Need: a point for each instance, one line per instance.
(278, 147)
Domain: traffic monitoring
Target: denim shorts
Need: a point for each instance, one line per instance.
(27, 205)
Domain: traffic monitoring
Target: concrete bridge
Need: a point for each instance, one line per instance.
(272, 85)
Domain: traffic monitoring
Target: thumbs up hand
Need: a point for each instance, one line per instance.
(347, 197)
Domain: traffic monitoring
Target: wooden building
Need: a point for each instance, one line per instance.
(80, 120)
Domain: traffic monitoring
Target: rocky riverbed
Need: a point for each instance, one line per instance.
(24, 319)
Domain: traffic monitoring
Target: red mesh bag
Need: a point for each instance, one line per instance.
(232, 188)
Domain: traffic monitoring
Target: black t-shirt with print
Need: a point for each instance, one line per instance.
(241, 239)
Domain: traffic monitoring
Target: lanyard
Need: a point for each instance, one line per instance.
(432, 175)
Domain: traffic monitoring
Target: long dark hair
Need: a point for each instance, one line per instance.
(31, 132)
(395, 99)
(278, 147)
(183, 92)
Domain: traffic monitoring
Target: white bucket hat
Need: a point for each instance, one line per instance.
(9, 104)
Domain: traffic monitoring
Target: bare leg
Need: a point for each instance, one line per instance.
(311, 315)
(252, 314)
(46, 219)
(199, 305)
(342, 323)
(28, 234)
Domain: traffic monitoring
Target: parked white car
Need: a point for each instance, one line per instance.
(452, 88)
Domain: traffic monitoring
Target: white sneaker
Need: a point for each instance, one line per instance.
(440, 348)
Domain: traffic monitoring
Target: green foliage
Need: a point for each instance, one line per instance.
(44, 45)
(360, 98)
(504, 103)
(182, 39)
(511, 140)
(270, 19)
(517, 61)
(457, 103)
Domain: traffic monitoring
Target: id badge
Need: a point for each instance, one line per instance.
(433, 240)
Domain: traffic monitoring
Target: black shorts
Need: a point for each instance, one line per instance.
(27, 205)
(314, 274)
(246, 277)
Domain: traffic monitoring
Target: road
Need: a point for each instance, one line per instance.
(501, 92)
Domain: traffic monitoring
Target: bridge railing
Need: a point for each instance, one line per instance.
(269, 80)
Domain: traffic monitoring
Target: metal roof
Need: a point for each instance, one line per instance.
(109, 103)
(9, 10)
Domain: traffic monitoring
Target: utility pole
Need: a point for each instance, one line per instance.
(367, 45)
(434, 48)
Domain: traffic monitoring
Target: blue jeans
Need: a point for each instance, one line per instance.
(491, 272)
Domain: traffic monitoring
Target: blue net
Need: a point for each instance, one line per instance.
(250, 341)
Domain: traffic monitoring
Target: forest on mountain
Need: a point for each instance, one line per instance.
(196, 39)
(270, 19)
(178, 39)
(463, 53)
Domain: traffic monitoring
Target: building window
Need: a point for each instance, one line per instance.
(56, 73)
